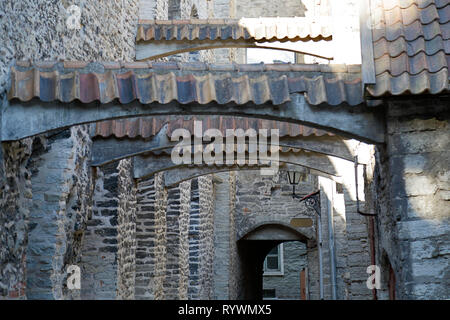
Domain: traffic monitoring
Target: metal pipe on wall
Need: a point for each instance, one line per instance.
(372, 217)
(331, 240)
(319, 231)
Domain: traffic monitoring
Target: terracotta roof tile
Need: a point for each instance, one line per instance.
(185, 83)
(146, 127)
(411, 47)
(250, 28)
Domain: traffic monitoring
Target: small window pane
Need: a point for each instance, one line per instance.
(272, 263)
(274, 251)
(269, 293)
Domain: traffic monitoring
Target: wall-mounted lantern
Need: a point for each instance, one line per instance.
(294, 178)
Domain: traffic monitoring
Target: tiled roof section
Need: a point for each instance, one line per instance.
(185, 83)
(146, 127)
(297, 28)
(411, 40)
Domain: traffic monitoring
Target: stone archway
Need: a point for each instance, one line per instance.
(64, 95)
(252, 250)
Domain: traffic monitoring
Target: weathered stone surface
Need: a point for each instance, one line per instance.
(99, 250)
(61, 214)
(126, 227)
(37, 30)
(412, 204)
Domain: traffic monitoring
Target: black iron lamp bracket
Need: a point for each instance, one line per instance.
(312, 201)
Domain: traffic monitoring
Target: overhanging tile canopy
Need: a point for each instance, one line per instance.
(185, 83)
(258, 29)
(411, 42)
(146, 127)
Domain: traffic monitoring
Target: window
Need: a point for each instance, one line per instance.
(269, 294)
(273, 264)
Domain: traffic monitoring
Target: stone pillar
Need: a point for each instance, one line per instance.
(173, 227)
(126, 238)
(222, 234)
(160, 236)
(194, 243)
(99, 248)
(183, 250)
(145, 238)
(324, 185)
(341, 244)
(234, 267)
(62, 190)
(206, 252)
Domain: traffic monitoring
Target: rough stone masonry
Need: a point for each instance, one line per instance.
(36, 30)
(202, 238)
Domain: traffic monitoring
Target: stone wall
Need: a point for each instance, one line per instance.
(179, 10)
(265, 199)
(174, 231)
(287, 286)
(15, 200)
(99, 251)
(153, 9)
(37, 30)
(412, 180)
(62, 188)
(262, 200)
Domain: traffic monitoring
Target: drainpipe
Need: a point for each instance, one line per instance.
(372, 217)
(319, 231)
(331, 243)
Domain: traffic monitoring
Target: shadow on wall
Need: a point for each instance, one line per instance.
(412, 184)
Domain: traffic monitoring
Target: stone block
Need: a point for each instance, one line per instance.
(424, 249)
(422, 229)
(419, 185)
(436, 268)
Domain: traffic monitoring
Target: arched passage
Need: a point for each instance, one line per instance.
(252, 250)
(148, 165)
(109, 146)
